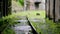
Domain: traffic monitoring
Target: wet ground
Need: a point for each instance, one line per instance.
(42, 26)
(22, 27)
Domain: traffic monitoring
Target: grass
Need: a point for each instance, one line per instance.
(30, 14)
(8, 31)
(52, 27)
(6, 23)
(36, 27)
(33, 14)
(49, 27)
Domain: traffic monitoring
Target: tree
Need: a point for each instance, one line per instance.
(21, 2)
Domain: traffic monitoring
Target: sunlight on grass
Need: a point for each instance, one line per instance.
(31, 14)
(48, 27)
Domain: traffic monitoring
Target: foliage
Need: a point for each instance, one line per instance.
(21, 2)
(8, 31)
(6, 23)
(32, 13)
(37, 29)
(49, 27)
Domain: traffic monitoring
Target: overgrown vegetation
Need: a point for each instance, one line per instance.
(21, 2)
(49, 27)
(32, 13)
(6, 23)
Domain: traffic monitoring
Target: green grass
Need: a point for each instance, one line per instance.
(36, 27)
(6, 23)
(8, 31)
(52, 27)
(31, 14)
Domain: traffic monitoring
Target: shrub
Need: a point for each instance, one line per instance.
(6, 23)
(21, 2)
